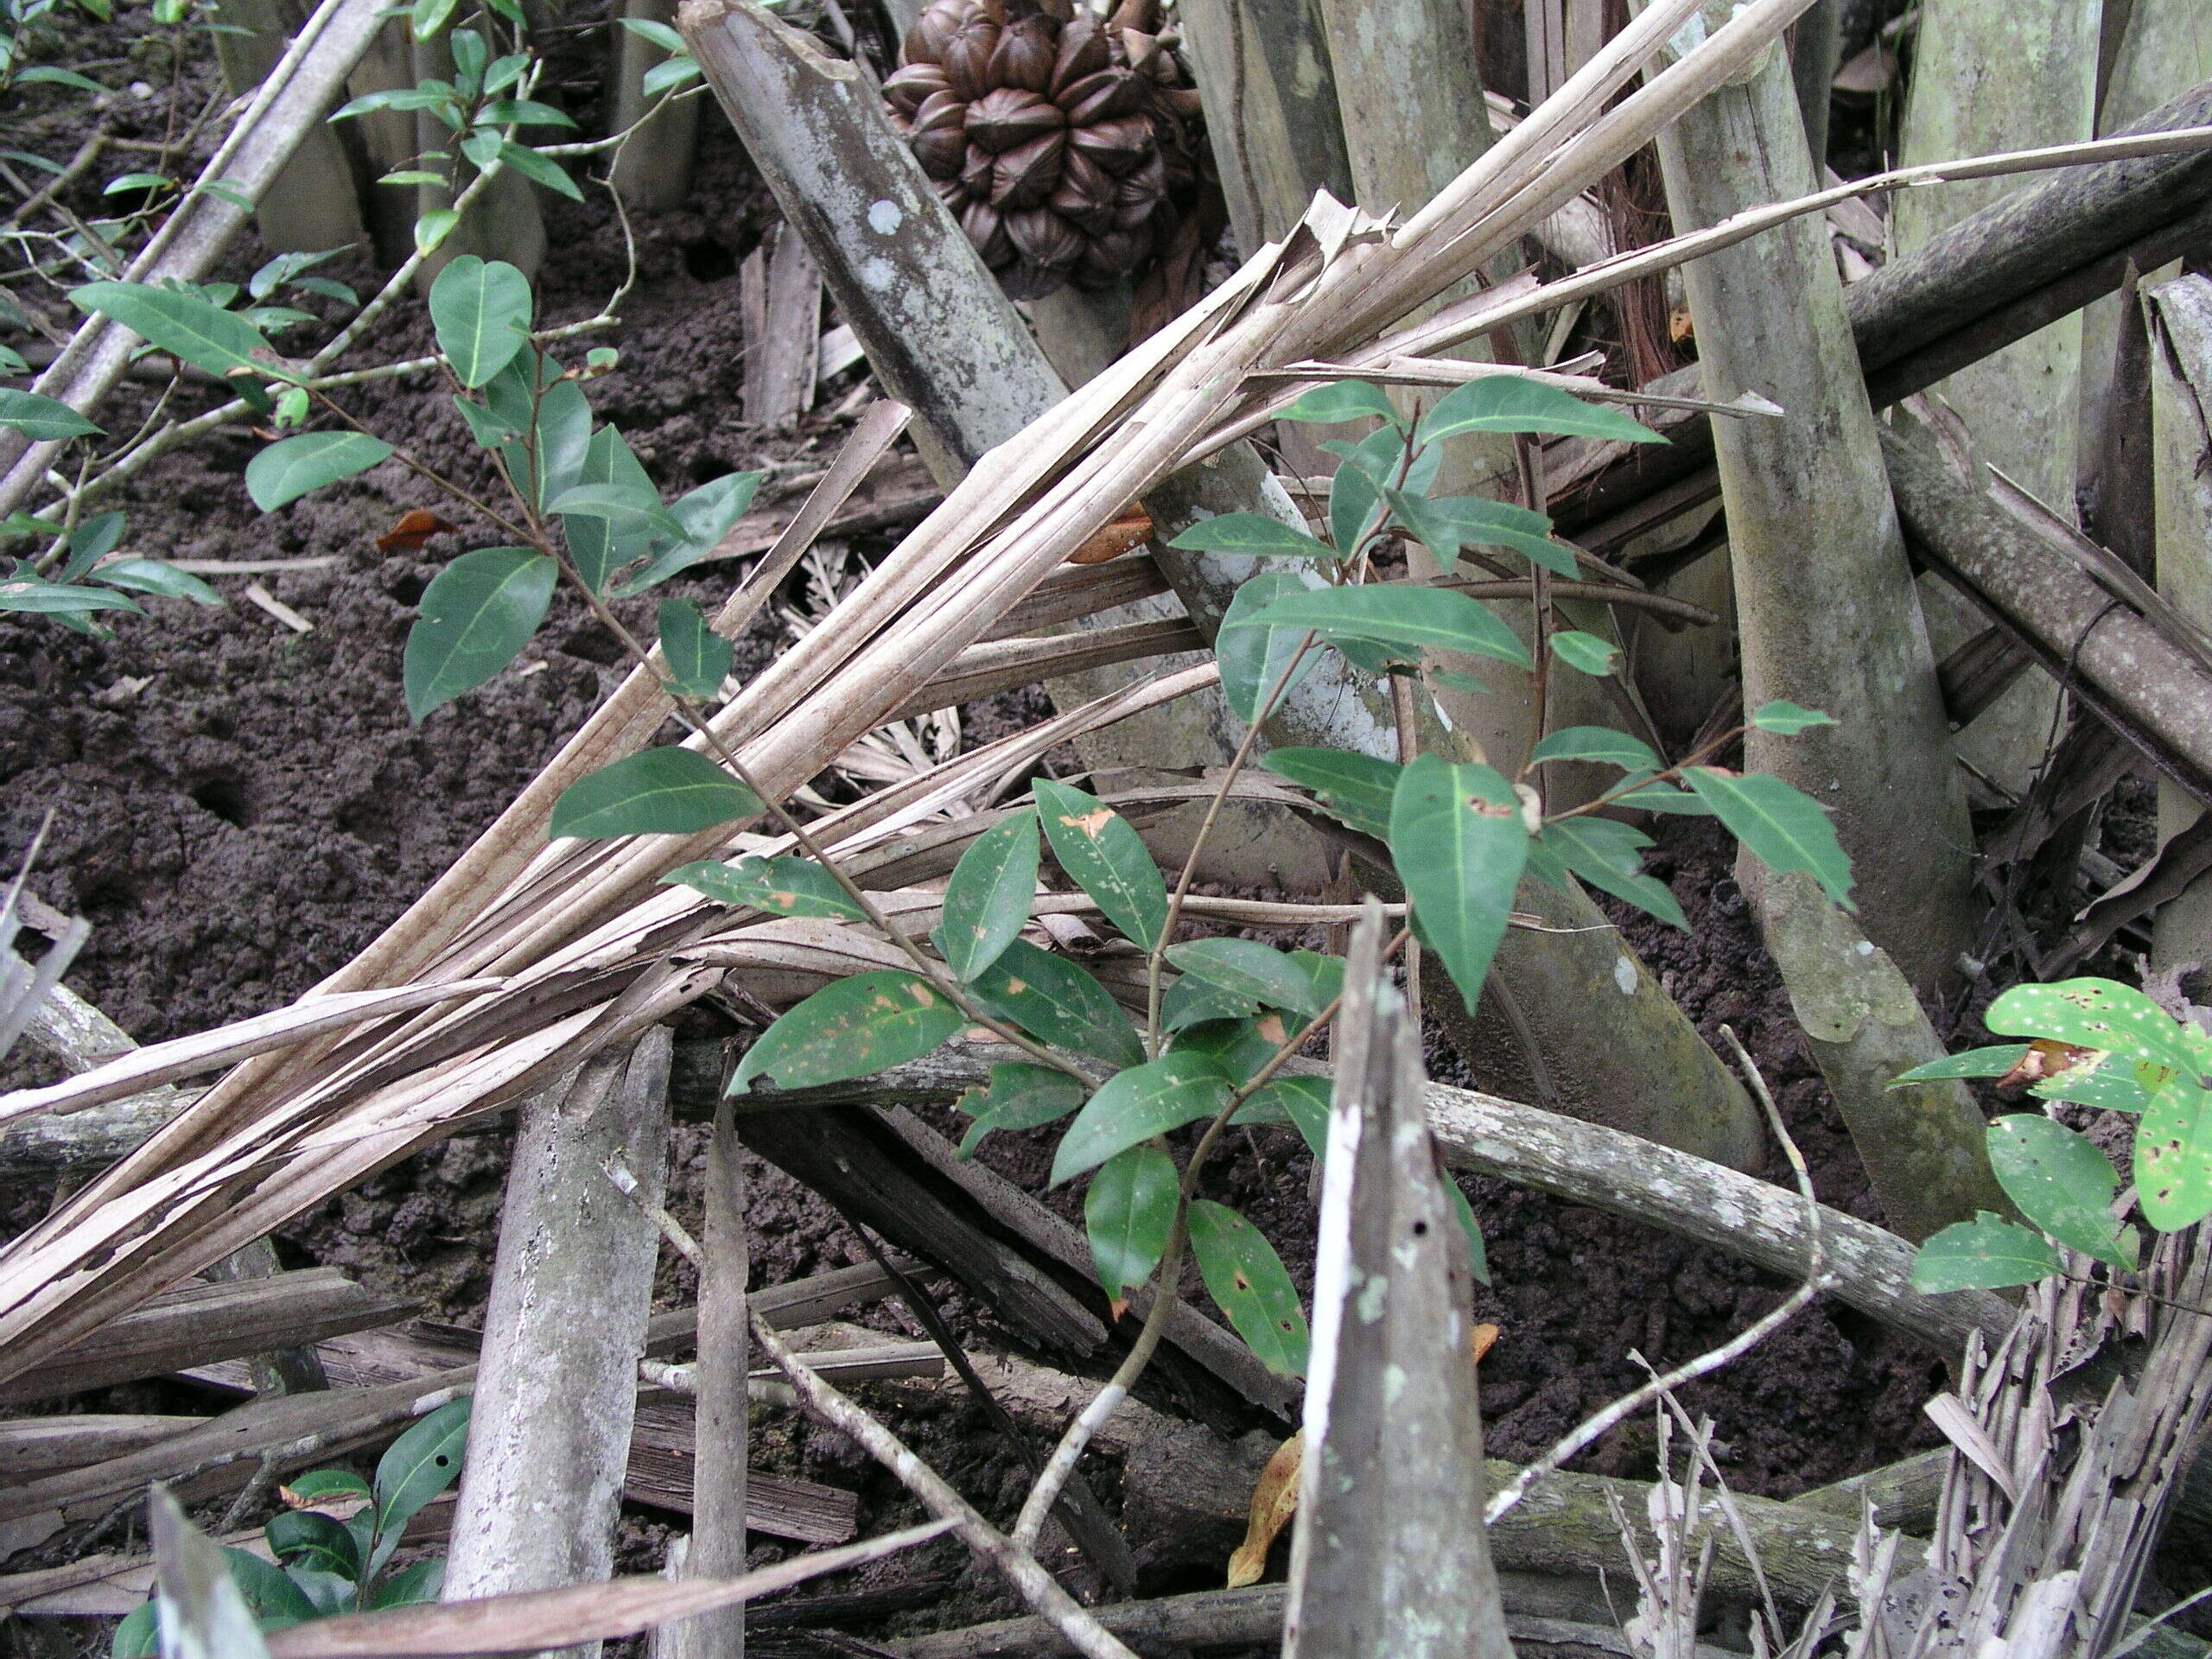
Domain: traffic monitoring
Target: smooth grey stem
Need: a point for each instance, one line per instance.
(653, 169)
(549, 1440)
(718, 1481)
(314, 204)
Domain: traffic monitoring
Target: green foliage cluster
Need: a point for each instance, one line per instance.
(2092, 1043)
(324, 1566)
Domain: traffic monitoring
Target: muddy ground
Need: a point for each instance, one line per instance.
(238, 809)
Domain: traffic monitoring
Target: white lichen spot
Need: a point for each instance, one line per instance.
(885, 216)
(878, 274)
(1624, 975)
(1372, 1295)
(1394, 1384)
(1305, 73)
(1865, 947)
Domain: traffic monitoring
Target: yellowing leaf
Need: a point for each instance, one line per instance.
(1275, 1501)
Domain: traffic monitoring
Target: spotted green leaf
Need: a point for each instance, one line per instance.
(1132, 1106)
(1301, 1102)
(1021, 1096)
(850, 1028)
(2093, 1014)
(1095, 846)
(1128, 1213)
(1056, 1000)
(2173, 1156)
(1248, 1279)
(1459, 845)
(1987, 1253)
(1248, 968)
(775, 886)
(988, 900)
(2063, 1184)
(1974, 1063)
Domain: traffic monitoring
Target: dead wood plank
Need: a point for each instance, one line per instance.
(782, 298)
(662, 1446)
(205, 1322)
(30, 1446)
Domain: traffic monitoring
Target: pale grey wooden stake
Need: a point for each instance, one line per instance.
(2181, 385)
(1815, 49)
(1841, 632)
(717, 1549)
(1390, 1554)
(571, 1287)
(1993, 75)
(312, 206)
(388, 138)
(653, 169)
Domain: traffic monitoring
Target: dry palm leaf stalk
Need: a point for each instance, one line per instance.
(579, 931)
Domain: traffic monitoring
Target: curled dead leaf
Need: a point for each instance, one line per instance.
(412, 532)
(2044, 1059)
(1275, 1501)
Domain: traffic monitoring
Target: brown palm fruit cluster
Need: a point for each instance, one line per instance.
(1070, 148)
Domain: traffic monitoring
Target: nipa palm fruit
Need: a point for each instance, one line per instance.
(1070, 148)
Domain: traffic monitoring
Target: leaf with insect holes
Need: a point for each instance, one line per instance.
(1245, 1276)
(475, 615)
(850, 1028)
(988, 899)
(1128, 1214)
(1609, 855)
(1987, 1253)
(2173, 1156)
(775, 886)
(660, 792)
(1585, 653)
(698, 658)
(1512, 403)
(1095, 846)
(1356, 788)
(42, 420)
(1599, 743)
(1248, 968)
(1974, 1063)
(1406, 619)
(1058, 1003)
(187, 326)
(1785, 828)
(1342, 400)
(481, 311)
(1252, 534)
(1132, 1106)
(2109, 1087)
(1458, 845)
(2097, 1013)
(290, 467)
(1302, 1102)
(155, 578)
(2063, 1184)
(1788, 719)
(1021, 1096)
(419, 1465)
(1255, 660)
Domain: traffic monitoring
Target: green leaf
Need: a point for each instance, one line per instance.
(698, 658)
(1471, 1230)
(1653, 796)
(1985, 1253)
(91, 542)
(524, 113)
(1301, 1101)
(432, 228)
(58, 599)
(1974, 1063)
(402, 99)
(481, 312)
(419, 1465)
(2107, 1086)
(850, 1028)
(1250, 969)
(707, 514)
(314, 1541)
(1609, 855)
(2097, 1013)
(428, 17)
(50, 75)
(659, 34)
(1357, 788)
(2173, 1156)
(1459, 844)
(116, 187)
(291, 467)
(1785, 828)
(1252, 534)
(1132, 1106)
(1254, 660)
(487, 429)
(1240, 1047)
(1021, 1096)
(1354, 500)
(1248, 1279)
(11, 361)
(410, 174)
(624, 509)
(474, 616)
(1058, 1003)
(409, 1587)
(1344, 400)
(1597, 743)
(1475, 521)
(1408, 619)
(139, 1636)
(660, 792)
(42, 420)
(2061, 1183)
(776, 887)
(1095, 846)
(1512, 402)
(276, 1601)
(564, 425)
(153, 576)
(987, 902)
(662, 76)
(1788, 719)
(320, 1485)
(1191, 1003)
(1585, 653)
(539, 169)
(185, 326)
(1128, 1212)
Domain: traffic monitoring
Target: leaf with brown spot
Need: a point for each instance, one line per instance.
(1248, 1279)
(779, 886)
(1095, 846)
(850, 1029)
